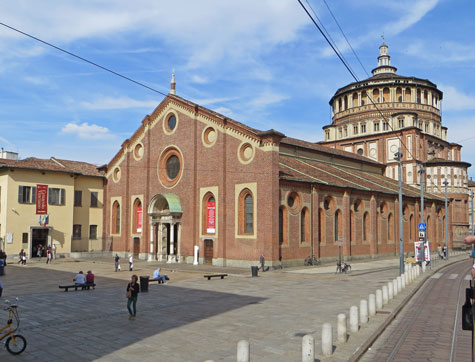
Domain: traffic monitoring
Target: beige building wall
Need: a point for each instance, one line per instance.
(17, 219)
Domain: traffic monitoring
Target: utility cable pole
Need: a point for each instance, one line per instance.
(446, 222)
(398, 157)
(421, 171)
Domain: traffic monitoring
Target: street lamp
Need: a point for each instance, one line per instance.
(445, 183)
(398, 157)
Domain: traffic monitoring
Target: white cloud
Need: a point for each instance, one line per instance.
(454, 100)
(208, 101)
(36, 80)
(267, 98)
(85, 130)
(199, 79)
(414, 11)
(104, 103)
(224, 111)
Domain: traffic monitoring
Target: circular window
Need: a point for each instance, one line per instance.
(383, 208)
(116, 174)
(209, 136)
(138, 151)
(173, 167)
(360, 151)
(329, 204)
(294, 202)
(170, 123)
(170, 167)
(358, 205)
(246, 153)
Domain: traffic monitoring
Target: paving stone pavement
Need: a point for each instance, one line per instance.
(189, 319)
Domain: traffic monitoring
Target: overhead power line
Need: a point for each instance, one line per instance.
(83, 59)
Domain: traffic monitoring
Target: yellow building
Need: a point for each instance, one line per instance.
(50, 202)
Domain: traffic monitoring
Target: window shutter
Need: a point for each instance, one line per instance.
(33, 195)
(63, 196)
(20, 194)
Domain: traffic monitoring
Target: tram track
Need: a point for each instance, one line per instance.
(428, 327)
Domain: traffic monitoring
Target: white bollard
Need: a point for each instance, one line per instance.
(354, 319)
(379, 299)
(341, 328)
(243, 351)
(385, 295)
(423, 267)
(308, 348)
(399, 284)
(327, 339)
(395, 287)
(390, 290)
(406, 277)
(372, 305)
(363, 311)
(403, 281)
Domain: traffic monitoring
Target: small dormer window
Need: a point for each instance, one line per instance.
(385, 126)
(355, 129)
(376, 127)
(401, 123)
(327, 134)
(363, 128)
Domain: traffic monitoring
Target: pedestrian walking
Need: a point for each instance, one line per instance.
(39, 253)
(133, 289)
(49, 256)
(131, 262)
(117, 262)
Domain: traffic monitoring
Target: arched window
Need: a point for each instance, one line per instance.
(391, 227)
(378, 228)
(352, 226)
(283, 225)
(363, 98)
(365, 226)
(407, 95)
(345, 103)
(137, 216)
(386, 95)
(424, 99)
(412, 227)
(418, 96)
(430, 230)
(321, 224)
(246, 212)
(355, 99)
(376, 98)
(304, 225)
(208, 212)
(338, 225)
(398, 94)
(115, 226)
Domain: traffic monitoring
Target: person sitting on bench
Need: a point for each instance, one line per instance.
(79, 279)
(156, 275)
(89, 277)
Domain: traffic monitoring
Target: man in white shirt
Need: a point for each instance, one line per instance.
(156, 275)
(80, 278)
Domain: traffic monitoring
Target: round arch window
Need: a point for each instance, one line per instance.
(171, 123)
(170, 167)
(173, 167)
(294, 201)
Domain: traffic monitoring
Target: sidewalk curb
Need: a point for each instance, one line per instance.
(361, 350)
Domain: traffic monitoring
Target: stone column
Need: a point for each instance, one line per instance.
(172, 238)
(150, 255)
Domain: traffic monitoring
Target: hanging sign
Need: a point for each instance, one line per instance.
(41, 199)
(211, 218)
(139, 219)
(417, 251)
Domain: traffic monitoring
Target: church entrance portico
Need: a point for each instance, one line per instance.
(165, 228)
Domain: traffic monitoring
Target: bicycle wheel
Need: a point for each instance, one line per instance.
(306, 262)
(16, 347)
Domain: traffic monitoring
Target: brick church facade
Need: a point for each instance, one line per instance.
(190, 177)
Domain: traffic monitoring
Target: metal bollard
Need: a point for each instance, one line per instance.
(403, 281)
(243, 351)
(379, 299)
(395, 291)
(390, 290)
(372, 305)
(341, 328)
(399, 284)
(327, 339)
(308, 348)
(354, 319)
(385, 295)
(363, 311)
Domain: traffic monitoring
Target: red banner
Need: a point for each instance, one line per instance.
(211, 218)
(41, 199)
(139, 219)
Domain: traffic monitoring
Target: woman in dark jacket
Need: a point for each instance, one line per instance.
(134, 288)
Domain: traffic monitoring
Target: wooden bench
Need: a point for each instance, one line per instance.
(209, 276)
(86, 286)
(160, 281)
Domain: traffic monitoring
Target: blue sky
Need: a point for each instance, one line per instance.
(259, 62)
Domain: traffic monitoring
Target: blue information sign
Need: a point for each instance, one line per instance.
(422, 226)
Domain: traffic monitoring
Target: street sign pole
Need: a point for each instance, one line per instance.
(422, 209)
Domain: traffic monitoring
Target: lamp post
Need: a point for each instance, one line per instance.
(398, 157)
(445, 183)
(421, 171)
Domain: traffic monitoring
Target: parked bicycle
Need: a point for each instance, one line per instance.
(15, 343)
(311, 260)
(343, 268)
